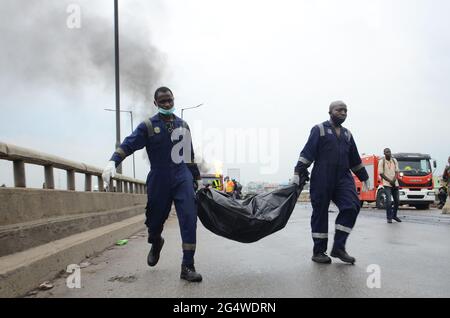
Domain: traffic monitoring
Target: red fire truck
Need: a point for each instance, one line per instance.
(415, 180)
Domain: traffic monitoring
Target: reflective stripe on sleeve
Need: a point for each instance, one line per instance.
(304, 160)
(121, 153)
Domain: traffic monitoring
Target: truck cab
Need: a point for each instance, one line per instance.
(415, 179)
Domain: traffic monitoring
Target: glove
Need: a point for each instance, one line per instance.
(295, 179)
(109, 172)
(366, 186)
(198, 185)
(304, 176)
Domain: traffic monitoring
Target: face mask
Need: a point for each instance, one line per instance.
(337, 121)
(166, 112)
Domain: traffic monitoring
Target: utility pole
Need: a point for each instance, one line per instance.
(117, 72)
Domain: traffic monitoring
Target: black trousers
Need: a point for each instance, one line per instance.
(442, 197)
(392, 196)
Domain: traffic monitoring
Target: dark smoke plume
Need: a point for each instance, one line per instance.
(40, 51)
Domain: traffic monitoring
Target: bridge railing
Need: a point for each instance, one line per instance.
(21, 156)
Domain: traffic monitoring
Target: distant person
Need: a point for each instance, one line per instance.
(229, 186)
(333, 150)
(225, 181)
(216, 184)
(237, 193)
(443, 190)
(388, 170)
(170, 180)
(442, 196)
(446, 174)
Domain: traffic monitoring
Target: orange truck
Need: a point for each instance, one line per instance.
(415, 180)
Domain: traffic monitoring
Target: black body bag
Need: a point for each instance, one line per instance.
(246, 220)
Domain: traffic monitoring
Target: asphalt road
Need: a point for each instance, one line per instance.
(412, 259)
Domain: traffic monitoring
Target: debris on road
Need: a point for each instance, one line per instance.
(84, 264)
(123, 279)
(46, 286)
(121, 242)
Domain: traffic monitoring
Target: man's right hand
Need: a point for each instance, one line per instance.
(109, 172)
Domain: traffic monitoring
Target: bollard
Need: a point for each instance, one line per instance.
(101, 188)
(87, 182)
(19, 174)
(70, 180)
(49, 179)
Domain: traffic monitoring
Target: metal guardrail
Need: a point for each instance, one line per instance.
(20, 156)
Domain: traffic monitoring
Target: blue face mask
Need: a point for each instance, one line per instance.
(166, 112)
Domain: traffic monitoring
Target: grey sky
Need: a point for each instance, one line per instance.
(272, 65)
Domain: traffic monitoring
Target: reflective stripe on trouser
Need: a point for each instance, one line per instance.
(346, 199)
(319, 223)
(184, 198)
(320, 242)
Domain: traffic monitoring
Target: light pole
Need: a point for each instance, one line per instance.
(117, 73)
(183, 109)
(132, 129)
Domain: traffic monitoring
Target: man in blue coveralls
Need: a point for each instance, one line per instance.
(333, 150)
(172, 178)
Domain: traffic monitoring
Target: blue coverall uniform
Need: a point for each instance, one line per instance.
(167, 181)
(331, 179)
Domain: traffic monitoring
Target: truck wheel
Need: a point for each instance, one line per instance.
(422, 206)
(361, 203)
(381, 199)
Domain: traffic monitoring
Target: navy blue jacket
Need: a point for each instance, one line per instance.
(333, 156)
(150, 134)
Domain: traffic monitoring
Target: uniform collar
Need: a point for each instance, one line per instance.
(328, 124)
(157, 118)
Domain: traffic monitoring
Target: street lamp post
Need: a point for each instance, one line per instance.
(117, 73)
(132, 129)
(183, 109)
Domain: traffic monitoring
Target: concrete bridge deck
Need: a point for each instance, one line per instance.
(413, 257)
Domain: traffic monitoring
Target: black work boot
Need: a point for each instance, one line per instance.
(342, 255)
(188, 273)
(321, 258)
(396, 219)
(153, 255)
